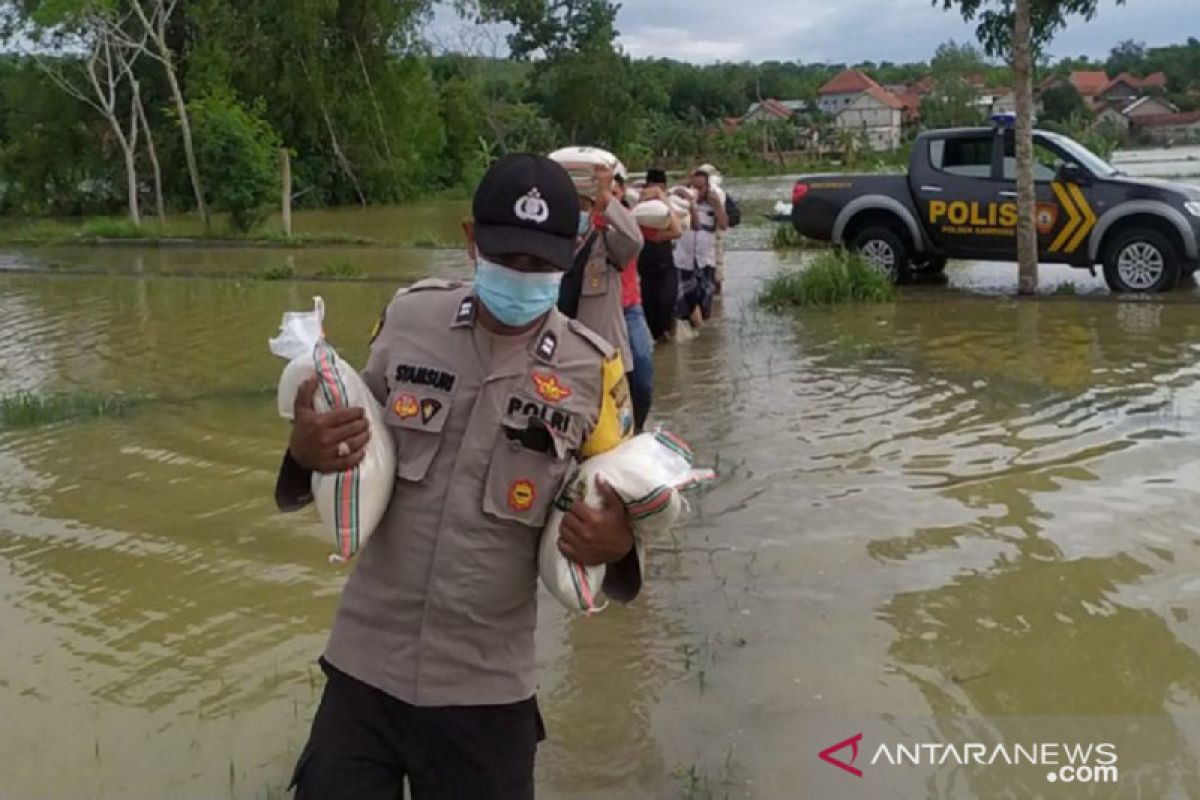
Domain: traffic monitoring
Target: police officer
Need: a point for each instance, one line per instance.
(609, 239)
(490, 394)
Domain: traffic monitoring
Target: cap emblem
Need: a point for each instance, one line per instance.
(532, 207)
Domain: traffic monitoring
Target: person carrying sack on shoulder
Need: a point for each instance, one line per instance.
(491, 395)
(608, 239)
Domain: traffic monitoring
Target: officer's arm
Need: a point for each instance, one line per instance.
(293, 485)
(623, 580)
(622, 236)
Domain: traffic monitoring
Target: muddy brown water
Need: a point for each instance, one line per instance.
(957, 506)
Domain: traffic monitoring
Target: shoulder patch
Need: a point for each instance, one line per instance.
(591, 337)
(427, 284)
(379, 323)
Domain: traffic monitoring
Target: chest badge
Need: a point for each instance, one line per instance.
(550, 388)
(429, 410)
(548, 346)
(406, 406)
(521, 495)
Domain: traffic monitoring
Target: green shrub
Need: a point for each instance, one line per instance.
(339, 269)
(111, 228)
(238, 155)
(785, 237)
(832, 278)
(279, 272)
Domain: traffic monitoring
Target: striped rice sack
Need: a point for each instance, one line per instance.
(648, 472)
(350, 503)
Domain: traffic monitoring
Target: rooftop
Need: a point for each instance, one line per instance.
(850, 81)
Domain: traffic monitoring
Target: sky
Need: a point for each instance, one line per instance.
(849, 31)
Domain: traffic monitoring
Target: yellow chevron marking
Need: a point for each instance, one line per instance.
(1073, 217)
(1089, 218)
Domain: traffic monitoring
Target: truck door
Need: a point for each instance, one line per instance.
(1064, 212)
(958, 195)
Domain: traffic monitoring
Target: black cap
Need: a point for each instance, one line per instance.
(526, 205)
(656, 176)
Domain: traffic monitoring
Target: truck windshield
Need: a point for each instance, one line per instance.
(1086, 158)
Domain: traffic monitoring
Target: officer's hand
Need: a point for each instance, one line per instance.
(316, 437)
(595, 536)
(604, 183)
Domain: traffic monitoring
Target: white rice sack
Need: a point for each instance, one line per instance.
(350, 503)
(684, 209)
(581, 163)
(648, 472)
(653, 214)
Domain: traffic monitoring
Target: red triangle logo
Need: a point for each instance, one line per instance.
(827, 755)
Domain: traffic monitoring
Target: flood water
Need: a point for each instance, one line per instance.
(959, 506)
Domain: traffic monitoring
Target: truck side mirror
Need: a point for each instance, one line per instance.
(1070, 172)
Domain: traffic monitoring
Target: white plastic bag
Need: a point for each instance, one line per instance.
(350, 503)
(648, 472)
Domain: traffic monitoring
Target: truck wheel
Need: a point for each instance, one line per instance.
(1141, 261)
(885, 251)
(935, 265)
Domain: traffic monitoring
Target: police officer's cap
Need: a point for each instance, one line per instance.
(526, 205)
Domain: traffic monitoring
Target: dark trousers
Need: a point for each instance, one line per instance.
(364, 744)
(696, 289)
(660, 287)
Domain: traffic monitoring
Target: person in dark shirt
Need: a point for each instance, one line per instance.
(656, 264)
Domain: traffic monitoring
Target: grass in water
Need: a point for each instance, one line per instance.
(340, 269)
(833, 278)
(110, 228)
(28, 410)
(279, 272)
(785, 237)
(430, 242)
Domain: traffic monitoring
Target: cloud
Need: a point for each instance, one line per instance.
(704, 31)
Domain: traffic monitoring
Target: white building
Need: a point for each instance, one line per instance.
(875, 115)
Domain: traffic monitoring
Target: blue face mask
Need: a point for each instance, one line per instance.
(515, 298)
(585, 222)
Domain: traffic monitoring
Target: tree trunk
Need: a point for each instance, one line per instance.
(185, 125)
(286, 169)
(152, 151)
(1027, 255)
(128, 149)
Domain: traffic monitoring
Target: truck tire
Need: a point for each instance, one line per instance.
(934, 265)
(884, 250)
(1141, 260)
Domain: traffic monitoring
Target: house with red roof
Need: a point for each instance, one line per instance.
(877, 116)
(843, 89)
(1089, 84)
(1169, 128)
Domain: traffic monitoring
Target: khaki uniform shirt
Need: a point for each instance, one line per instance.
(441, 606)
(600, 306)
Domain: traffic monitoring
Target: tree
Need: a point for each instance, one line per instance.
(954, 100)
(106, 66)
(238, 151)
(1062, 103)
(1019, 30)
(1128, 56)
(154, 18)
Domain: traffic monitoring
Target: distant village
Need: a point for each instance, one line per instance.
(853, 107)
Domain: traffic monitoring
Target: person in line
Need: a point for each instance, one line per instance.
(656, 264)
(733, 216)
(696, 253)
(489, 393)
(609, 238)
(641, 343)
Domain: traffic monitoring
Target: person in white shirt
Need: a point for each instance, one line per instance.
(696, 252)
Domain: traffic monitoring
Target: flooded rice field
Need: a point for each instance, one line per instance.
(956, 507)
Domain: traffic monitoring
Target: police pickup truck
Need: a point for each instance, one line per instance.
(959, 201)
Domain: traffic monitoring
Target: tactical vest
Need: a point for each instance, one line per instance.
(441, 607)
